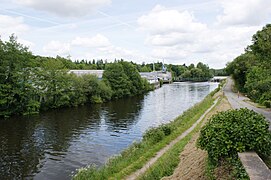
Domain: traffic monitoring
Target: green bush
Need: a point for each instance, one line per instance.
(235, 131)
(167, 129)
(155, 135)
(267, 104)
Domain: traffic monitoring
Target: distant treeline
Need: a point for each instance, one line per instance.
(197, 73)
(252, 70)
(29, 84)
(200, 72)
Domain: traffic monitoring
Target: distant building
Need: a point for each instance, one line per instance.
(155, 76)
(98, 73)
(152, 77)
(218, 78)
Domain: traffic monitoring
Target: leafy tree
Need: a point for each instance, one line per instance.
(134, 77)
(258, 84)
(116, 78)
(251, 71)
(15, 58)
(261, 46)
(145, 69)
(239, 67)
(199, 73)
(30, 83)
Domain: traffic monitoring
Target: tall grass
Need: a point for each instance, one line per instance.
(135, 156)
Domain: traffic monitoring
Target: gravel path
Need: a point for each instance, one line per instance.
(240, 102)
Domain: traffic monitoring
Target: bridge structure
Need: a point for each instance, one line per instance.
(218, 78)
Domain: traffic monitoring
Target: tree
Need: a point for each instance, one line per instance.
(15, 58)
(252, 70)
(134, 77)
(116, 78)
(239, 67)
(261, 46)
(145, 69)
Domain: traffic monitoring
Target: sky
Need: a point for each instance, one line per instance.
(175, 31)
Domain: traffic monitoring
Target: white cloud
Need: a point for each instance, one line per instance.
(95, 41)
(170, 39)
(179, 37)
(57, 48)
(26, 43)
(10, 25)
(161, 20)
(244, 12)
(65, 7)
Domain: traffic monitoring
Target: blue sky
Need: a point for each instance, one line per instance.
(178, 31)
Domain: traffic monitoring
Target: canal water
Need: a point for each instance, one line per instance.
(53, 144)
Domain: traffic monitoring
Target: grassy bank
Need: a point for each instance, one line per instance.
(166, 164)
(139, 153)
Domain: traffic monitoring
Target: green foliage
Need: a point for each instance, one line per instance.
(166, 164)
(30, 83)
(145, 69)
(114, 75)
(124, 79)
(252, 70)
(15, 58)
(155, 135)
(261, 46)
(199, 73)
(258, 84)
(239, 68)
(219, 72)
(235, 131)
(232, 168)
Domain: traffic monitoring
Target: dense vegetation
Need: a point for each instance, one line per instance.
(154, 139)
(252, 70)
(31, 83)
(198, 73)
(233, 131)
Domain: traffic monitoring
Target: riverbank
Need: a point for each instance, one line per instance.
(136, 156)
(192, 161)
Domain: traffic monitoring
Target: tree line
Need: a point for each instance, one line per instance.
(196, 73)
(251, 70)
(30, 84)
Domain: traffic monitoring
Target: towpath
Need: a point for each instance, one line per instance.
(242, 101)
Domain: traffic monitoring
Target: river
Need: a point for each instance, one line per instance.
(53, 144)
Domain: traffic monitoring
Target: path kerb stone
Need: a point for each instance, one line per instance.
(254, 165)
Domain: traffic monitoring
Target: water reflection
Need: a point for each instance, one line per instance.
(53, 144)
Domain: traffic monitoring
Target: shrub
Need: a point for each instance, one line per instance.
(267, 104)
(155, 135)
(167, 129)
(235, 131)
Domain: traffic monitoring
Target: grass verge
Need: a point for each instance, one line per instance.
(267, 161)
(227, 169)
(167, 163)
